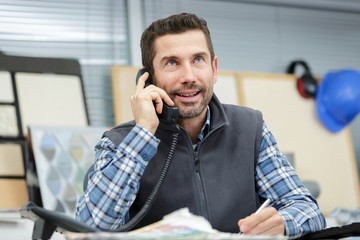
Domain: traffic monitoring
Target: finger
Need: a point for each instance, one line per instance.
(268, 222)
(141, 82)
(165, 97)
(273, 225)
(156, 98)
(243, 220)
(162, 94)
(250, 222)
(270, 226)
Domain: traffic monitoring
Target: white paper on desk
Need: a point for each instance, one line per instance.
(184, 218)
(10, 216)
(178, 225)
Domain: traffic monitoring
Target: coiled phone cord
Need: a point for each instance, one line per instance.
(153, 195)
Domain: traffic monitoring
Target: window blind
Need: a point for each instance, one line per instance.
(93, 32)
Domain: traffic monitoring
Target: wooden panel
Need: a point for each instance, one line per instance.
(124, 84)
(13, 193)
(11, 160)
(8, 121)
(226, 88)
(320, 155)
(49, 99)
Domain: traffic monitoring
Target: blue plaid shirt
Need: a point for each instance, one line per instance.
(115, 182)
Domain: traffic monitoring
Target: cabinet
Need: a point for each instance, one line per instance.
(33, 92)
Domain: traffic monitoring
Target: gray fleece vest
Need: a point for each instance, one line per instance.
(217, 181)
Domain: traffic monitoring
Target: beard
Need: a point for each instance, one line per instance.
(193, 109)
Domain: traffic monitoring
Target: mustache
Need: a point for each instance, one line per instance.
(192, 86)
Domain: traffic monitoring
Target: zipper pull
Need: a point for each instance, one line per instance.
(196, 161)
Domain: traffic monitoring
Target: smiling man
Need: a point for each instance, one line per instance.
(226, 162)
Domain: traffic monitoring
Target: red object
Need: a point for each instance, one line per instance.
(300, 87)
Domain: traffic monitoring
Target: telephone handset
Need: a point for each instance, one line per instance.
(169, 114)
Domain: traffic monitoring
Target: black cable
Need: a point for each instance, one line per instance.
(153, 195)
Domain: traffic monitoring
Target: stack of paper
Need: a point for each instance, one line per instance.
(178, 225)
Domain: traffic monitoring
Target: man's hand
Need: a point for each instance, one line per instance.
(267, 222)
(142, 104)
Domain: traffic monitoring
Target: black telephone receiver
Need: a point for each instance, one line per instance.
(169, 114)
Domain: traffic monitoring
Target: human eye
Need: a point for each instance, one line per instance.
(199, 59)
(171, 63)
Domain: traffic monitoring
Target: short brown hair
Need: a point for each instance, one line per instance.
(178, 23)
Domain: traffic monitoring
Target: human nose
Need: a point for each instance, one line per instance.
(187, 73)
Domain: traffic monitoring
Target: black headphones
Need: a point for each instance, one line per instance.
(306, 84)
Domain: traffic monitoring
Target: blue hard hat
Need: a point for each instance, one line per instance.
(338, 99)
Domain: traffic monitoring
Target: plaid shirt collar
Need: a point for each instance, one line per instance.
(205, 129)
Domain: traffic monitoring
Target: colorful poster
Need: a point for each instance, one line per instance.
(62, 156)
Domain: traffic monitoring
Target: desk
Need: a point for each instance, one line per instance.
(12, 227)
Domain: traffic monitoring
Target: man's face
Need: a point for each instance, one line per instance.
(183, 68)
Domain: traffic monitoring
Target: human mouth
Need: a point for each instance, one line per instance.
(190, 94)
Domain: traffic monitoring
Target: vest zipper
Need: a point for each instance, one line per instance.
(203, 207)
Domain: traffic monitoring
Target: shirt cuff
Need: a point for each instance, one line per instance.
(292, 227)
(141, 142)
